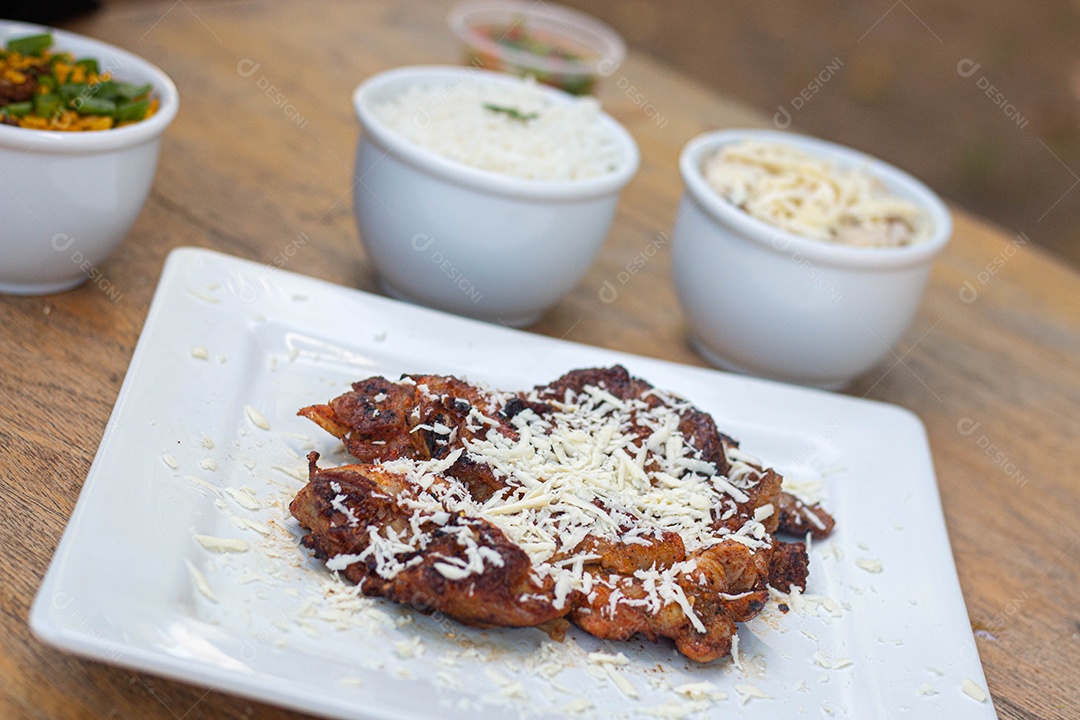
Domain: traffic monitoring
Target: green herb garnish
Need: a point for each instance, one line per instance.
(511, 112)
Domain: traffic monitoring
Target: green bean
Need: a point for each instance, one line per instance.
(90, 65)
(130, 91)
(94, 106)
(19, 109)
(106, 90)
(46, 105)
(71, 91)
(30, 44)
(132, 111)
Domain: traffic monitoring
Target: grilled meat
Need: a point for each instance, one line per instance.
(597, 498)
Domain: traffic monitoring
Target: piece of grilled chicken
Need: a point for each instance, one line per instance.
(334, 497)
(429, 417)
(380, 420)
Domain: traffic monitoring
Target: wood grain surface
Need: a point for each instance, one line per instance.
(246, 169)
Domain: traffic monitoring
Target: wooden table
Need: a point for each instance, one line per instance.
(262, 151)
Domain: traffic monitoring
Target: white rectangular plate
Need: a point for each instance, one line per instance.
(884, 631)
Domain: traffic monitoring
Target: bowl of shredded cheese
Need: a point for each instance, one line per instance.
(799, 259)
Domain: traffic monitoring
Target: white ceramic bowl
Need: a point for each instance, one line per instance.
(469, 241)
(67, 199)
(764, 302)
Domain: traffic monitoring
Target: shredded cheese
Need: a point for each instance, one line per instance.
(973, 690)
(748, 692)
(257, 418)
(871, 565)
(199, 581)
(593, 466)
(223, 545)
(812, 197)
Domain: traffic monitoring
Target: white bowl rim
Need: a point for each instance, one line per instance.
(487, 180)
(695, 151)
(610, 56)
(74, 143)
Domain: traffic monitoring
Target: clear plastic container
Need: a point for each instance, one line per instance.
(559, 46)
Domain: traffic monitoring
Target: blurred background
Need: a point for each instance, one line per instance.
(979, 100)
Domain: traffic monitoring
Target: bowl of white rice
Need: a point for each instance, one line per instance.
(799, 259)
(481, 193)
